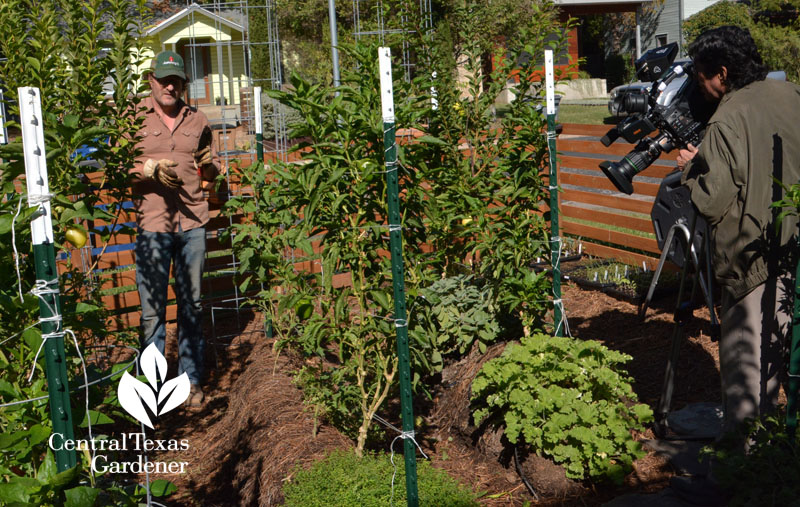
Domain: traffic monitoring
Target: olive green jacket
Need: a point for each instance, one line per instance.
(753, 136)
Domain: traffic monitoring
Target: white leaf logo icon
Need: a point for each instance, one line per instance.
(131, 392)
(134, 395)
(154, 365)
(175, 391)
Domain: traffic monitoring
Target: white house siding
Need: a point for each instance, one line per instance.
(667, 21)
(692, 7)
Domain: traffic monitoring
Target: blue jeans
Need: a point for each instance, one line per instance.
(186, 250)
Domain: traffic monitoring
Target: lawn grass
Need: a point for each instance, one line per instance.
(586, 115)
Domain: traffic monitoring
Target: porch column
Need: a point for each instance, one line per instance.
(639, 31)
(221, 74)
(231, 75)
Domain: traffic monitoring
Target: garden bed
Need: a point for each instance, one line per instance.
(619, 280)
(253, 431)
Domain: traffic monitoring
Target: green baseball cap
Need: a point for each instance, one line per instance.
(168, 63)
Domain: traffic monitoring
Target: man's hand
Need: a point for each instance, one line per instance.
(161, 171)
(685, 155)
(202, 157)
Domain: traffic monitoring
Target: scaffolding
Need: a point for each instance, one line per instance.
(377, 25)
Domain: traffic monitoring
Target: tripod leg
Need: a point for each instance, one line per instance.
(681, 310)
(665, 402)
(661, 261)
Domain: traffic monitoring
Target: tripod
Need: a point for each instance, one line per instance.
(680, 231)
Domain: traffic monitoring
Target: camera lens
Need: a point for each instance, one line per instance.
(621, 173)
(635, 103)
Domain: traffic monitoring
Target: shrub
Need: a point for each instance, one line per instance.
(346, 480)
(567, 400)
(765, 472)
(719, 14)
(779, 45)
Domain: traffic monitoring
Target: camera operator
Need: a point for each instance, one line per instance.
(751, 141)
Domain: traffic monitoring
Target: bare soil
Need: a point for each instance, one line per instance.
(253, 430)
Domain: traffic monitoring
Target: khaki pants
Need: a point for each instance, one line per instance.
(755, 330)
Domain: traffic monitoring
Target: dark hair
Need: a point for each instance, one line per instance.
(733, 48)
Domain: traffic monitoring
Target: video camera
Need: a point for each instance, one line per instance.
(674, 107)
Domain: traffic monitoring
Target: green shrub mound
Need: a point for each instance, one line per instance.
(566, 399)
(343, 479)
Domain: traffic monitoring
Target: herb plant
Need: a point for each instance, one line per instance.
(344, 480)
(458, 312)
(567, 400)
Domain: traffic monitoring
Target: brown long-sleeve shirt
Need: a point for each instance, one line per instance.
(161, 209)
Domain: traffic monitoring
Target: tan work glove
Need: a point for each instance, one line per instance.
(202, 158)
(161, 171)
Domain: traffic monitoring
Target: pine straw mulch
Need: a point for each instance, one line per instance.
(253, 430)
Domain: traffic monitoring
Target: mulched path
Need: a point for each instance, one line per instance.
(253, 430)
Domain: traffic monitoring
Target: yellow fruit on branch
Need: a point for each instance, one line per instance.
(76, 237)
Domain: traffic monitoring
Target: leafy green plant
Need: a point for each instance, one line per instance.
(324, 218)
(82, 55)
(485, 174)
(764, 474)
(458, 312)
(778, 45)
(343, 479)
(567, 400)
(336, 203)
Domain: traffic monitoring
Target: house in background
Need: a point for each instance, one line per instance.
(213, 48)
(665, 24)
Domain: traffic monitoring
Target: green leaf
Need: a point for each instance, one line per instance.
(33, 338)
(97, 419)
(64, 478)
(19, 489)
(47, 470)
(9, 439)
(162, 487)
(70, 121)
(432, 140)
(382, 299)
(86, 308)
(38, 434)
(81, 496)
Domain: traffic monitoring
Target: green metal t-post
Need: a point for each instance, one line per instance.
(794, 360)
(259, 116)
(398, 280)
(555, 238)
(46, 274)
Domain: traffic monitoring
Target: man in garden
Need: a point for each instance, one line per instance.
(176, 155)
(751, 143)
